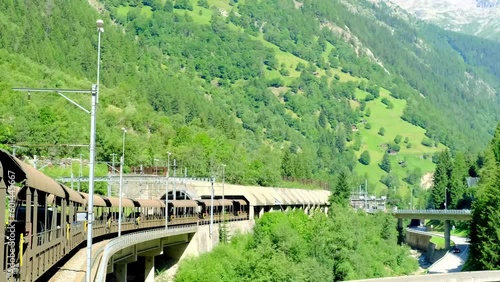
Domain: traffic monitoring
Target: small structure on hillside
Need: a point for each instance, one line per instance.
(361, 200)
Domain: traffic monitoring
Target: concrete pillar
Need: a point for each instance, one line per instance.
(251, 214)
(447, 234)
(149, 269)
(401, 235)
(120, 272)
(261, 212)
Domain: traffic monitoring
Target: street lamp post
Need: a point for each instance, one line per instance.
(122, 160)
(166, 190)
(95, 96)
(175, 191)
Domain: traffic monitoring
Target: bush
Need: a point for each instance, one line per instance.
(275, 82)
(381, 131)
(397, 139)
(365, 158)
(369, 97)
(284, 72)
(394, 147)
(368, 125)
(427, 142)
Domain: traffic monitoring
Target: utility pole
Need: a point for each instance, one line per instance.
(80, 173)
(366, 194)
(175, 182)
(212, 208)
(166, 189)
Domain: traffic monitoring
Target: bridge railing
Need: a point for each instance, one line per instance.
(458, 212)
(135, 238)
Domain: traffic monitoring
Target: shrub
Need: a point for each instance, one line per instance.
(365, 158)
(427, 142)
(381, 131)
(397, 139)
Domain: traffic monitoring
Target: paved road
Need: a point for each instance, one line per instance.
(451, 262)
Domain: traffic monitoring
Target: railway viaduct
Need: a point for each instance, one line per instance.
(201, 240)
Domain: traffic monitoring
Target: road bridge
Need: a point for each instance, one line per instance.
(445, 215)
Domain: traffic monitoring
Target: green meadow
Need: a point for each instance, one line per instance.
(407, 158)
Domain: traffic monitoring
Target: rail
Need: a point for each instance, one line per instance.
(135, 238)
(440, 212)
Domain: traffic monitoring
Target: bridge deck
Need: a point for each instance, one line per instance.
(434, 214)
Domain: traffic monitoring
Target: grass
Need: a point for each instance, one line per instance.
(461, 228)
(394, 125)
(439, 241)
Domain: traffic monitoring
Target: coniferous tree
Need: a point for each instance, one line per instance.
(365, 158)
(485, 223)
(386, 163)
(340, 195)
(442, 181)
(458, 181)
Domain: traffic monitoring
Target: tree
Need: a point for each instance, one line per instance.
(342, 192)
(169, 6)
(458, 184)
(365, 158)
(441, 184)
(381, 131)
(397, 139)
(385, 165)
(485, 223)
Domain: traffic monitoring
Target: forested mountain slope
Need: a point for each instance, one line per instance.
(263, 87)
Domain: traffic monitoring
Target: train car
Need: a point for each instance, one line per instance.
(37, 219)
(183, 212)
(46, 220)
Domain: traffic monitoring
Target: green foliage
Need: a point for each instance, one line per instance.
(391, 180)
(485, 223)
(381, 131)
(398, 138)
(427, 142)
(365, 158)
(342, 192)
(203, 3)
(413, 176)
(295, 247)
(385, 165)
(441, 185)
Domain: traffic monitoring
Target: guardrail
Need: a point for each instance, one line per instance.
(444, 212)
(135, 238)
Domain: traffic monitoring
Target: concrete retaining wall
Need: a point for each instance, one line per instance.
(418, 240)
(200, 243)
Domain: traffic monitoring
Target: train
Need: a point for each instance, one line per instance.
(46, 220)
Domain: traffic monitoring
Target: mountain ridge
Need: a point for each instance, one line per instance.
(476, 17)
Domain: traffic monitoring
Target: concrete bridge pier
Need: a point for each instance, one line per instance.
(149, 269)
(447, 234)
(120, 272)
